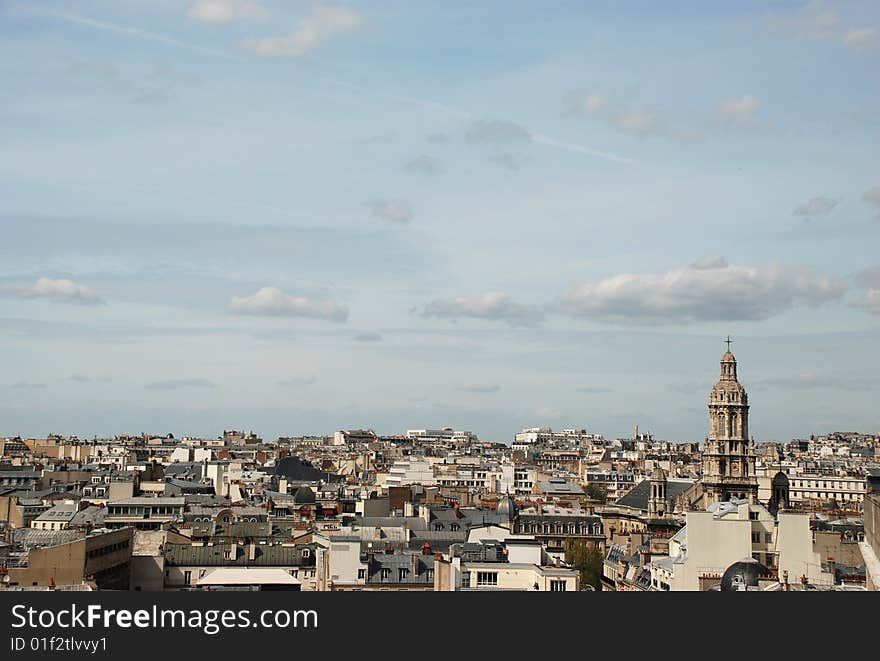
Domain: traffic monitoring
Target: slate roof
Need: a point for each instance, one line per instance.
(265, 555)
(417, 567)
(61, 512)
(638, 497)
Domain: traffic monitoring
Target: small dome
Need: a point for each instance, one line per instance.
(304, 496)
(506, 507)
(742, 574)
(658, 474)
(727, 357)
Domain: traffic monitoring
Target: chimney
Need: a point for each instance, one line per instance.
(426, 548)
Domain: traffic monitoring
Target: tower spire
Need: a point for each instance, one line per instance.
(728, 341)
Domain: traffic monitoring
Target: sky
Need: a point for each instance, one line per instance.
(295, 218)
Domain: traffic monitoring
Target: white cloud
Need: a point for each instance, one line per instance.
(817, 21)
(724, 293)
(310, 32)
(583, 103)
(272, 302)
(739, 110)
(817, 206)
(638, 122)
(870, 279)
(61, 291)
(593, 105)
(872, 197)
(858, 36)
(396, 210)
(495, 306)
(871, 301)
(225, 11)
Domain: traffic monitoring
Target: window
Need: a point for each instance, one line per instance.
(402, 573)
(307, 553)
(756, 537)
(362, 574)
(768, 538)
(487, 578)
(386, 573)
(557, 586)
(187, 576)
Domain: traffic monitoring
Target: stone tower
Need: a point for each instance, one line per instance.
(728, 455)
(657, 504)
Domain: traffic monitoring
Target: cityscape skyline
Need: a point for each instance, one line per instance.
(301, 218)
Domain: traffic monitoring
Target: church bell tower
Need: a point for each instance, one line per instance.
(728, 454)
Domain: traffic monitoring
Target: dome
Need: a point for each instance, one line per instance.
(658, 474)
(743, 574)
(304, 496)
(506, 507)
(727, 357)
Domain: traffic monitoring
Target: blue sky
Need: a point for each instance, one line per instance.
(300, 217)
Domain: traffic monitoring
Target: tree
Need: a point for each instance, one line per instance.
(587, 559)
(596, 492)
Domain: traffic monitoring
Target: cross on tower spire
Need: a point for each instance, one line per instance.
(728, 341)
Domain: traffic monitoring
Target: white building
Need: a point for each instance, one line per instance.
(411, 470)
(728, 532)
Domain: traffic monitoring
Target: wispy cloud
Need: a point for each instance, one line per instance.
(298, 381)
(395, 210)
(493, 306)
(424, 164)
(872, 197)
(21, 385)
(738, 111)
(709, 262)
(817, 20)
(816, 206)
(497, 132)
(479, 390)
(320, 25)
(367, 337)
(814, 380)
(869, 279)
(273, 302)
(508, 160)
(178, 384)
(594, 390)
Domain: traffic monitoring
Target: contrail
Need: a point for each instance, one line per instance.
(133, 32)
(458, 113)
(580, 149)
